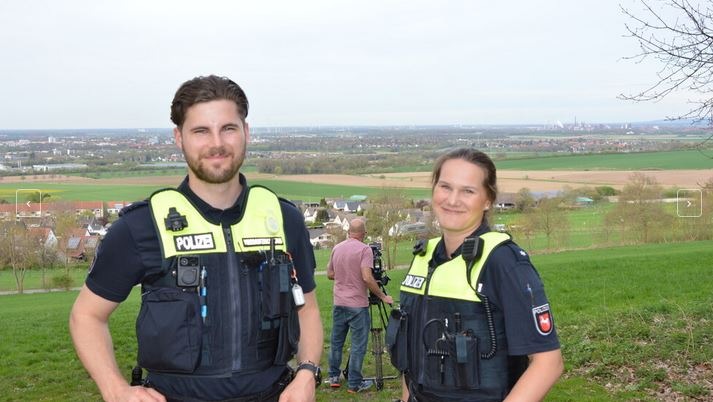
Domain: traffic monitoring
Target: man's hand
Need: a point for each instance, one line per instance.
(388, 299)
(88, 324)
(301, 389)
(137, 394)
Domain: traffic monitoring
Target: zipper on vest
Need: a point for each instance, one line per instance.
(234, 286)
(420, 352)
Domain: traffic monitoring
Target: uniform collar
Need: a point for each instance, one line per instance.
(439, 255)
(215, 215)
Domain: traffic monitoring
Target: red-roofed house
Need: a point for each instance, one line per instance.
(45, 236)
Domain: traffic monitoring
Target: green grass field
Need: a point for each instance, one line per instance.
(97, 192)
(636, 324)
(314, 192)
(669, 160)
(81, 192)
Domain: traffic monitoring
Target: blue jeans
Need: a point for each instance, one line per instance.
(356, 320)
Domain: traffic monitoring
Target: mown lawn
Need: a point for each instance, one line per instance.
(636, 324)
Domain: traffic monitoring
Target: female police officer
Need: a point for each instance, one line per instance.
(474, 322)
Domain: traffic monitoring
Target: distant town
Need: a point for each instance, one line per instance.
(67, 231)
(25, 152)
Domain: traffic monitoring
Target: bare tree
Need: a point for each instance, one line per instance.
(678, 34)
(338, 234)
(65, 221)
(703, 225)
(523, 227)
(524, 200)
(18, 250)
(549, 218)
(640, 212)
(385, 211)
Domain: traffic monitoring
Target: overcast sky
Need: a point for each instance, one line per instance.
(114, 64)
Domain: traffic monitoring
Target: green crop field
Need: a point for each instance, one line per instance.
(670, 160)
(314, 191)
(100, 192)
(158, 171)
(636, 323)
(81, 192)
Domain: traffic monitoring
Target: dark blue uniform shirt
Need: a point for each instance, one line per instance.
(513, 286)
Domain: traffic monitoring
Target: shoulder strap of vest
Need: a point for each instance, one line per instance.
(491, 240)
(285, 200)
(261, 187)
(165, 262)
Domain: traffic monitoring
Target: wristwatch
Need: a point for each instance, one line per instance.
(308, 365)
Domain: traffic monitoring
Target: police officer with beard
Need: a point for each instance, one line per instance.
(226, 272)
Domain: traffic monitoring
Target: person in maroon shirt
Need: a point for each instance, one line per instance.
(350, 266)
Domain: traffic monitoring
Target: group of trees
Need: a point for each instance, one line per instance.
(639, 215)
(383, 213)
(338, 163)
(22, 249)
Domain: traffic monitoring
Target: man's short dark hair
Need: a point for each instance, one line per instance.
(206, 89)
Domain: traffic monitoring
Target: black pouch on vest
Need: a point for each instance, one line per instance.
(168, 330)
(288, 338)
(396, 333)
(453, 361)
(464, 348)
(275, 282)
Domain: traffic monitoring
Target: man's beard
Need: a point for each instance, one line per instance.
(204, 173)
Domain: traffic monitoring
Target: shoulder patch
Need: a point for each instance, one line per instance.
(543, 319)
(133, 206)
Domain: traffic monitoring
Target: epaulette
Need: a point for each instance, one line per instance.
(285, 200)
(518, 253)
(420, 247)
(133, 206)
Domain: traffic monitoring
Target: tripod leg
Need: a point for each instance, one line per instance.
(346, 369)
(378, 350)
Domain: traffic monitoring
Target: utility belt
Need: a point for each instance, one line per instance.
(416, 394)
(270, 395)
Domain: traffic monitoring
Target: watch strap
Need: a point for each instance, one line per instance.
(314, 368)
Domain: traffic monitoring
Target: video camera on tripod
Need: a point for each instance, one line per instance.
(377, 271)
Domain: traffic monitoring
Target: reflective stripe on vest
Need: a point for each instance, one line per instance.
(261, 221)
(449, 280)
